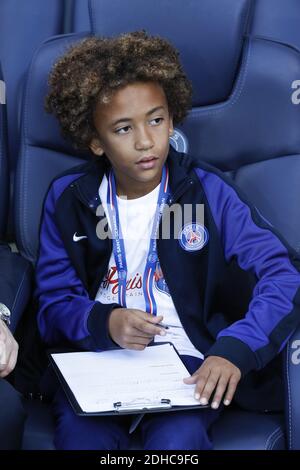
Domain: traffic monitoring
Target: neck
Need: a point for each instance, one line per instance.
(135, 189)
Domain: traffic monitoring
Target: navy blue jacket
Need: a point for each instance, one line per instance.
(238, 297)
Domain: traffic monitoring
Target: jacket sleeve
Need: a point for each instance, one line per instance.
(66, 314)
(274, 310)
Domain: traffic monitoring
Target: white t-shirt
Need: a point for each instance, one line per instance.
(136, 220)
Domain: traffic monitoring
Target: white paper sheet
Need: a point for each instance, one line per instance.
(98, 380)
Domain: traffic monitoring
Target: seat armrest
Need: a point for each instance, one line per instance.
(292, 385)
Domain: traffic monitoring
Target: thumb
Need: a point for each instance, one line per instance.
(153, 318)
(191, 380)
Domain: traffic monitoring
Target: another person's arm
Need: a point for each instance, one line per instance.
(14, 276)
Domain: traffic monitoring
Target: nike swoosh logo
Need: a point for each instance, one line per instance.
(77, 239)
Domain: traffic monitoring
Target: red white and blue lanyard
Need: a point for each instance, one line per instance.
(119, 247)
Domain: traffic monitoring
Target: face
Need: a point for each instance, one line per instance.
(134, 128)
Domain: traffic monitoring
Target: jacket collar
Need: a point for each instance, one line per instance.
(180, 174)
(179, 165)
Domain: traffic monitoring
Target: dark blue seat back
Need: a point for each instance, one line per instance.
(277, 20)
(43, 152)
(244, 119)
(292, 383)
(23, 27)
(80, 16)
(4, 176)
(210, 50)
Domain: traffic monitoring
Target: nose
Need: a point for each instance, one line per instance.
(144, 140)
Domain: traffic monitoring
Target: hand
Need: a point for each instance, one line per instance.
(133, 329)
(8, 350)
(217, 375)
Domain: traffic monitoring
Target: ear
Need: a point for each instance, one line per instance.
(96, 147)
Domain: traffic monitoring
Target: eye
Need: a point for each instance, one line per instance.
(122, 130)
(156, 121)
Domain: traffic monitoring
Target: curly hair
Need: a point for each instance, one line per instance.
(93, 69)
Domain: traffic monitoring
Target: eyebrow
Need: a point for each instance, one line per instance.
(125, 119)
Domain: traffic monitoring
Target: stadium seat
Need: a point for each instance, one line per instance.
(15, 271)
(80, 19)
(244, 64)
(23, 27)
(13, 265)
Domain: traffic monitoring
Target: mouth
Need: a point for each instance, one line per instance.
(147, 163)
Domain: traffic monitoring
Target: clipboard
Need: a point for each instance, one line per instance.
(130, 407)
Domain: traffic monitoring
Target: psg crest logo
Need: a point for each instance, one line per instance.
(193, 237)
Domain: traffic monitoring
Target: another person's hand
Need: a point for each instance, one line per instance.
(8, 350)
(133, 329)
(216, 376)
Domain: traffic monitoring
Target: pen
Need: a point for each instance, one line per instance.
(167, 327)
(163, 325)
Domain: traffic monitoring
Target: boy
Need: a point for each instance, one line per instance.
(119, 98)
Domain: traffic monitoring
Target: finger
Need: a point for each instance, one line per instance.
(153, 318)
(135, 346)
(148, 316)
(141, 334)
(192, 379)
(206, 390)
(149, 328)
(134, 340)
(139, 340)
(203, 370)
(220, 390)
(203, 377)
(200, 378)
(230, 390)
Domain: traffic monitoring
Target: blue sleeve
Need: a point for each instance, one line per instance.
(66, 314)
(274, 310)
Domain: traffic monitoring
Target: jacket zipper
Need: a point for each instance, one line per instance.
(178, 193)
(181, 190)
